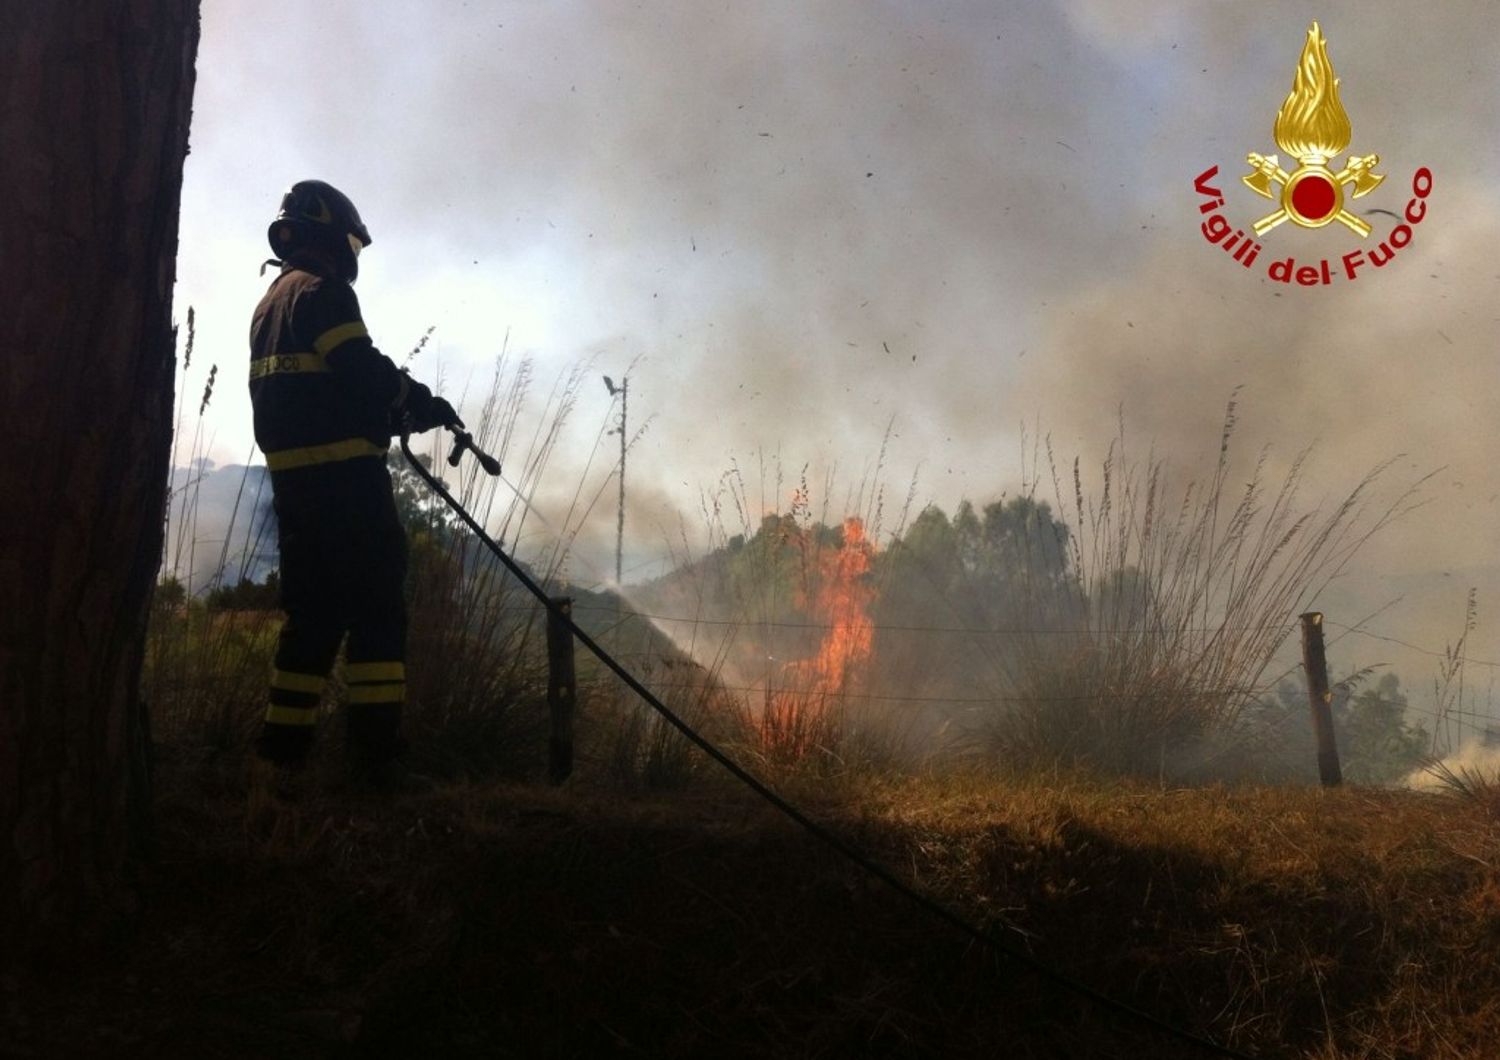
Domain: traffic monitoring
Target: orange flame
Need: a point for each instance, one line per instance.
(1312, 125)
(802, 716)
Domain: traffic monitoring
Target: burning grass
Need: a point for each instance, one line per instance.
(804, 712)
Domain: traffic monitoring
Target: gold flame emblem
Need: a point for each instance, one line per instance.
(1312, 127)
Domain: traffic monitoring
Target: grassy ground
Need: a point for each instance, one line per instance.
(516, 920)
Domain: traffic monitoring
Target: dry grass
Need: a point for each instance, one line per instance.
(501, 920)
(626, 741)
(1349, 919)
(1468, 776)
(205, 675)
(489, 919)
(1181, 601)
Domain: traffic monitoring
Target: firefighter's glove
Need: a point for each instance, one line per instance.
(435, 413)
(422, 412)
(412, 405)
(438, 414)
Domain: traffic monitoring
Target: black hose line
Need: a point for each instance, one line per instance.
(869, 865)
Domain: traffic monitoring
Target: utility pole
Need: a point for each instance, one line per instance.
(623, 390)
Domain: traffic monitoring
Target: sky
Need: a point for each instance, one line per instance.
(807, 224)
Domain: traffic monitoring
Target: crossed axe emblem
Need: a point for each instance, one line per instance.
(1359, 172)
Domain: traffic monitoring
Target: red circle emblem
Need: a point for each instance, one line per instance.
(1314, 197)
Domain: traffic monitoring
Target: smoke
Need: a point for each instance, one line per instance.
(815, 218)
(220, 525)
(1391, 364)
(1475, 760)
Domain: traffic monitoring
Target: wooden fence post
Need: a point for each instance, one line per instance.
(562, 689)
(1316, 664)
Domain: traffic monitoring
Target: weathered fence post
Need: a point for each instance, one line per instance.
(562, 689)
(1316, 663)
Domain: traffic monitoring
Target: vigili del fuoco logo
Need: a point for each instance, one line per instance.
(1311, 128)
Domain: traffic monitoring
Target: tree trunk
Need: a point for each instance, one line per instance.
(95, 97)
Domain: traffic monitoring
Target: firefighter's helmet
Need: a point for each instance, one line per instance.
(316, 216)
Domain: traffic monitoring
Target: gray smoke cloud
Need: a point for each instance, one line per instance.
(815, 220)
(220, 526)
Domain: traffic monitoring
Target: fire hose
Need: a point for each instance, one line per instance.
(463, 441)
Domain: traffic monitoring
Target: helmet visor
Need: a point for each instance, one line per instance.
(355, 245)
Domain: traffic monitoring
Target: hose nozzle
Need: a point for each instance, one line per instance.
(464, 440)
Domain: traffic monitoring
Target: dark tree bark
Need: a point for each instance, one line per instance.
(95, 97)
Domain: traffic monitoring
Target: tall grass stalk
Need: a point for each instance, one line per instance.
(1180, 603)
(477, 673)
(1448, 686)
(204, 672)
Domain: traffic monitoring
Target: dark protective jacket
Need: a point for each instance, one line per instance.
(321, 391)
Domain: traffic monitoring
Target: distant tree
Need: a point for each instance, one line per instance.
(932, 541)
(967, 533)
(1376, 743)
(247, 595)
(422, 511)
(95, 97)
(1005, 566)
(919, 573)
(1023, 544)
(763, 576)
(170, 593)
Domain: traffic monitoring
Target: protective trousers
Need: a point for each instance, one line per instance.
(343, 564)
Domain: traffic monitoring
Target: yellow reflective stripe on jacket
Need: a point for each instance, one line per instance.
(278, 363)
(367, 672)
(348, 449)
(331, 338)
(291, 715)
(392, 693)
(290, 682)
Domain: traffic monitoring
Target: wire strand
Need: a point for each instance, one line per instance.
(1417, 647)
(880, 626)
